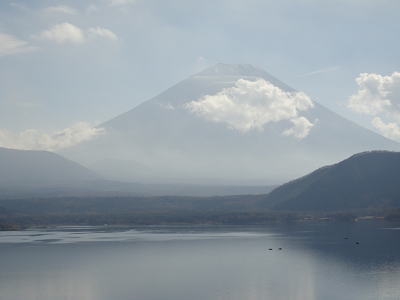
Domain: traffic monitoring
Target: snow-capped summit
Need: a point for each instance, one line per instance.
(226, 72)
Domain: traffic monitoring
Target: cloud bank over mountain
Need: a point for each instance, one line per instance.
(379, 96)
(33, 139)
(301, 128)
(251, 105)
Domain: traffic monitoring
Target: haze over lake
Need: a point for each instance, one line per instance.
(317, 261)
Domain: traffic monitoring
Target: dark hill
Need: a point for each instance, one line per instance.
(365, 180)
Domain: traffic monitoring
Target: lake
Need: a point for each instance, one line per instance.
(317, 261)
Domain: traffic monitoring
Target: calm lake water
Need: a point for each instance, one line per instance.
(317, 261)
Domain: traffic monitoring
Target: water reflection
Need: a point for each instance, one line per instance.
(316, 262)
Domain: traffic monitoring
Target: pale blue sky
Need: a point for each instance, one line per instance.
(318, 47)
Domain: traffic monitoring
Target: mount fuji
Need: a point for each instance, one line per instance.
(230, 124)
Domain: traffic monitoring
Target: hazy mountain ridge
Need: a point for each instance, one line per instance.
(27, 173)
(365, 183)
(39, 168)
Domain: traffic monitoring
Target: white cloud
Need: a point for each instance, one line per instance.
(379, 96)
(120, 2)
(390, 130)
(301, 128)
(33, 139)
(102, 33)
(65, 33)
(376, 94)
(60, 9)
(249, 105)
(10, 45)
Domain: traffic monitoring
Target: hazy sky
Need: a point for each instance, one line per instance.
(63, 62)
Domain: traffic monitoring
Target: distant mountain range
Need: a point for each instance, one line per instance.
(227, 125)
(365, 180)
(364, 183)
(21, 168)
(25, 173)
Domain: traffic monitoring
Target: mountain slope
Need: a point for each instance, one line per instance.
(162, 140)
(369, 179)
(39, 168)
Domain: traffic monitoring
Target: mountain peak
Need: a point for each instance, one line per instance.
(221, 69)
(191, 133)
(239, 71)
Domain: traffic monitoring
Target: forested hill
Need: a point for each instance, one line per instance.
(368, 179)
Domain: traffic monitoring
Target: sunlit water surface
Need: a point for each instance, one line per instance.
(317, 261)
